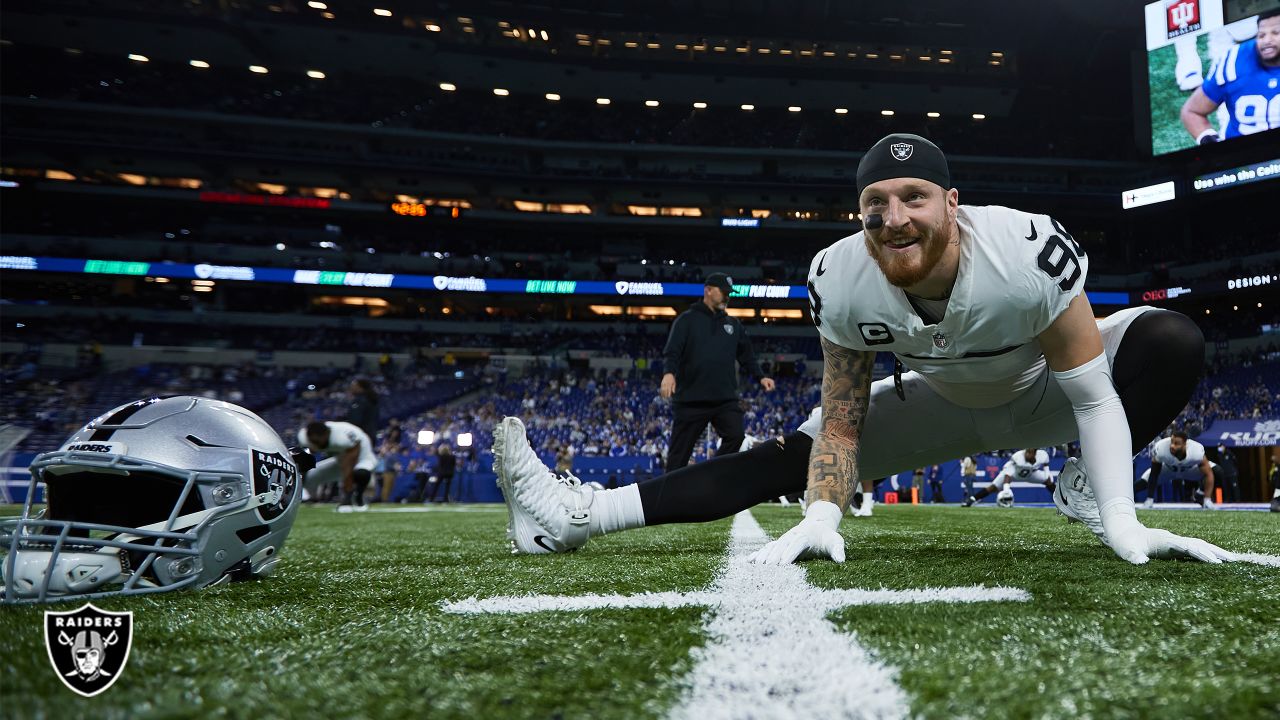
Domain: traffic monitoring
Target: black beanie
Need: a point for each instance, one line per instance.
(903, 155)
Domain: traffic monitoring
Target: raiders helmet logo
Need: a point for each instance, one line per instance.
(88, 647)
(901, 151)
(276, 475)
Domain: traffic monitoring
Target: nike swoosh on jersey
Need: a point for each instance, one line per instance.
(821, 269)
(1032, 237)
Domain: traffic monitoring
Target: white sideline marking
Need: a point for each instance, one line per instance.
(770, 652)
(1260, 559)
(423, 508)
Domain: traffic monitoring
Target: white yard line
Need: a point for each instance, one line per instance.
(443, 508)
(770, 652)
(1260, 559)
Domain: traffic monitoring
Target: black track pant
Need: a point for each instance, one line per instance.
(1155, 369)
(692, 418)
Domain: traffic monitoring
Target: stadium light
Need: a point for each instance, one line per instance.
(426, 437)
(139, 58)
(464, 440)
(380, 12)
(543, 34)
(258, 69)
(748, 108)
(842, 111)
(979, 116)
(315, 74)
(602, 101)
(448, 87)
(651, 103)
(317, 5)
(700, 106)
(933, 114)
(432, 27)
(553, 96)
(886, 113)
(199, 64)
(793, 108)
(501, 92)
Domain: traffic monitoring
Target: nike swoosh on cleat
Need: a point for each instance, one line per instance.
(539, 540)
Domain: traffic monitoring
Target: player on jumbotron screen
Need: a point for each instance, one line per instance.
(1247, 80)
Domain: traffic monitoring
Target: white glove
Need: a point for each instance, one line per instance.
(1138, 543)
(814, 537)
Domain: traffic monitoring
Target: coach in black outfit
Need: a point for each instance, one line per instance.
(701, 374)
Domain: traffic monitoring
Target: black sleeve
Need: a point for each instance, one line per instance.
(1156, 467)
(747, 356)
(675, 344)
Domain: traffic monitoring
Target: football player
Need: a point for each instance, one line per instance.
(1247, 81)
(1185, 460)
(996, 346)
(1030, 465)
(350, 457)
(1274, 476)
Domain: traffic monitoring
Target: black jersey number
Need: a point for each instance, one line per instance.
(815, 304)
(1056, 257)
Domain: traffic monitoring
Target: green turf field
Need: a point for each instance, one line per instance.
(1167, 133)
(351, 626)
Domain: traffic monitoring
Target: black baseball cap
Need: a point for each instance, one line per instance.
(720, 280)
(903, 155)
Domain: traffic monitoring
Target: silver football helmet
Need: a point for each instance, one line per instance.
(155, 495)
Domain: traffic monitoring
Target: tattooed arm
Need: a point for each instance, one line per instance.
(846, 391)
(833, 462)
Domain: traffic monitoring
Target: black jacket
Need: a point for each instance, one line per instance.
(363, 413)
(701, 351)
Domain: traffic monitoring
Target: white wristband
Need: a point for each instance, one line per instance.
(827, 513)
(1207, 131)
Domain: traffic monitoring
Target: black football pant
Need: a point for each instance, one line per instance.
(691, 420)
(1155, 370)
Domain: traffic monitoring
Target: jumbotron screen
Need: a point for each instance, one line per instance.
(1213, 70)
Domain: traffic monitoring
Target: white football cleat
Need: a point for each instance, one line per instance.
(1075, 499)
(546, 513)
(864, 510)
(1210, 505)
(1149, 503)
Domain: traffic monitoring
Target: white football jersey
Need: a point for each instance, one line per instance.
(1160, 453)
(1019, 469)
(344, 436)
(1018, 272)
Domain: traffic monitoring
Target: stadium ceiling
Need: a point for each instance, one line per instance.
(922, 22)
